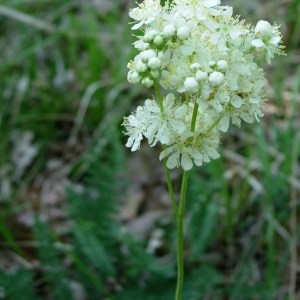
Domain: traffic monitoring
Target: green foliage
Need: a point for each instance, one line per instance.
(202, 220)
(17, 284)
(96, 231)
(203, 281)
(99, 243)
(54, 274)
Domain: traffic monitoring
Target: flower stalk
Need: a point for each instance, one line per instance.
(180, 235)
(180, 222)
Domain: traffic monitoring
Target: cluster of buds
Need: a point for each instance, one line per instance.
(206, 60)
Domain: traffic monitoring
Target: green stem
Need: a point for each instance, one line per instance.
(180, 241)
(194, 117)
(167, 171)
(180, 219)
(158, 96)
(170, 187)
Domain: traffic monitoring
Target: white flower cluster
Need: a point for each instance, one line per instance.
(196, 48)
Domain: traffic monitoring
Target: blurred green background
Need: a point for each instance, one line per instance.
(81, 217)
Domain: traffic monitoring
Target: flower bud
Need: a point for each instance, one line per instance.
(154, 74)
(147, 82)
(212, 63)
(133, 77)
(169, 31)
(183, 32)
(263, 28)
(158, 40)
(149, 36)
(195, 67)
(141, 45)
(154, 63)
(216, 79)
(201, 76)
(222, 65)
(191, 85)
(141, 67)
(147, 54)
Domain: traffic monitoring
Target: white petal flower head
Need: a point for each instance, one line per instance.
(155, 124)
(146, 13)
(196, 147)
(268, 38)
(135, 128)
(198, 53)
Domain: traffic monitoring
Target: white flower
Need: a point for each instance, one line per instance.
(169, 31)
(175, 73)
(199, 53)
(133, 77)
(155, 124)
(164, 124)
(201, 76)
(146, 13)
(216, 79)
(196, 147)
(268, 39)
(150, 35)
(191, 85)
(222, 65)
(263, 28)
(140, 66)
(158, 40)
(135, 128)
(154, 63)
(147, 54)
(183, 32)
(147, 82)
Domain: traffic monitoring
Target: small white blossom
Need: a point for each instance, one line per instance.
(141, 67)
(216, 79)
(158, 40)
(195, 66)
(146, 13)
(263, 28)
(150, 35)
(154, 74)
(183, 32)
(154, 63)
(147, 82)
(268, 39)
(222, 65)
(147, 54)
(191, 85)
(201, 76)
(135, 128)
(169, 31)
(133, 77)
